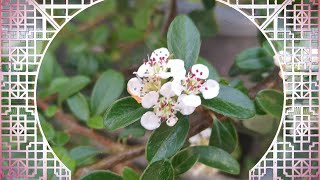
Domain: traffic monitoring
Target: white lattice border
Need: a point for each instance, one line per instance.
(25, 22)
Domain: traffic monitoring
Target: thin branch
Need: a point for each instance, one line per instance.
(171, 14)
(71, 126)
(111, 161)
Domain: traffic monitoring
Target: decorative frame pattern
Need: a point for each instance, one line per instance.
(28, 27)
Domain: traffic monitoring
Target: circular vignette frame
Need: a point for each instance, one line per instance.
(25, 24)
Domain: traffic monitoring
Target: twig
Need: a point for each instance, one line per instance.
(170, 16)
(111, 161)
(71, 126)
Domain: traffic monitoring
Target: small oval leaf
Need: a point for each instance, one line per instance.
(217, 158)
(271, 101)
(160, 170)
(72, 86)
(107, 89)
(184, 40)
(224, 135)
(79, 106)
(166, 141)
(122, 113)
(183, 161)
(231, 102)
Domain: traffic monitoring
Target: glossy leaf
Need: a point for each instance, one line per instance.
(184, 40)
(79, 106)
(61, 139)
(159, 170)
(129, 174)
(271, 101)
(95, 122)
(65, 157)
(82, 153)
(122, 113)
(183, 161)
(231, 102)
(224, 135)
(216, 158)
(262, 124)
(72, 86)
(107, 89)
(101, 174)
(254, 59)
(166, 141)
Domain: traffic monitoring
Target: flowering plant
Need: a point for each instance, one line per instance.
(164, 85)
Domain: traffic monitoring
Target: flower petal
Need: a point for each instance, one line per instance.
(150, 121)
(182, 107)
(178, 72)
(150, 99)
(167, 90)
(206, 133)
(200, 71)
(160, 55)
(194, 140)
(210, 89)
(192, 100)
(144, 70)
(176, 86)
(134, 86)
(172, 121)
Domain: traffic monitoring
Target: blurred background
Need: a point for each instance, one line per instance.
(114, 36)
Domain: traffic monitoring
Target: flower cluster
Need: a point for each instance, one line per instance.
(163, 84)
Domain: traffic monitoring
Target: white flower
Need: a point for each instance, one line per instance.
(182, 107)
(134, 86)
(172, 121)
(150, 121)
(160, 55)
(200, 71)
(191, 100)
(171, 89)
(202, 138)
(145, 70)
(150, 99)
(210, 89)
(177, 70)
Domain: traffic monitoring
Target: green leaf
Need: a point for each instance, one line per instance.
(231, 102)
(82, 153)
(183, 161)
(166, 141)
(107, 89)
(208, 4)
(72, 86)
(134, 130)
(51, 111)
(271, 101)
(46, 69)
(254, 59)
(213, 73)
(184, 40)
(101, 174)
(57, 84)
(122, 113)
(160, 170)
(216, 158)
(224, 135)
(64, 156)
(129, 174)
(260, 124)
(205, 22)
(48, 130)
(79, 106)
(100, 34)
(95, 122)
(61, 139)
